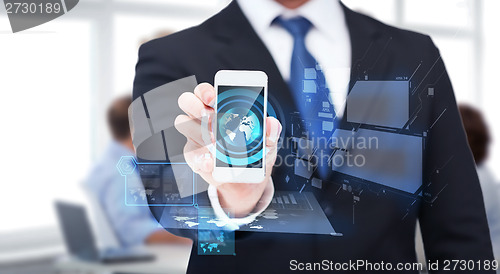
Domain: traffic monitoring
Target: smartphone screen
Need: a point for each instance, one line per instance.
(240, 126)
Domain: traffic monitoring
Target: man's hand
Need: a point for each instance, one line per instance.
(238, 198)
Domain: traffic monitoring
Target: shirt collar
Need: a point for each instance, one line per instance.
(261, 13)
(325, 15)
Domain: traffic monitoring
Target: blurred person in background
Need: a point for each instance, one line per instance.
(133, 225)
(478, 137)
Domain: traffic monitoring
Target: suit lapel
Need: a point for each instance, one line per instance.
(367, 43)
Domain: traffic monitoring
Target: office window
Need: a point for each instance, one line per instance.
(194, 3)
(45, 147)
(454, 14)
(458, 56)
(84, 60)
(130, 32)
(383, 10)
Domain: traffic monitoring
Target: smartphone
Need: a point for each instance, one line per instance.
(240, 126)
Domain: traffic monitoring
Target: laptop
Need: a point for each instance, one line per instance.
(80, 239)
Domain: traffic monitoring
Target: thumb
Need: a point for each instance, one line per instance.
(273, 131)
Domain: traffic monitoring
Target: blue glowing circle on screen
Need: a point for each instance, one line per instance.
(230, 136)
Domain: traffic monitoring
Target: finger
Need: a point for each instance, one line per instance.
(273, 131)
(206, 93)
(193, 106)
(195, 156)
(191, 151)
(190, 128)
(199, 159)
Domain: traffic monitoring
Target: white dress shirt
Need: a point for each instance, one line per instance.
(328, 41)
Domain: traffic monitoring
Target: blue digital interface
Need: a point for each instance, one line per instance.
(240, 126)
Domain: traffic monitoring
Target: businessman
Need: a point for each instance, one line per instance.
(283, 38)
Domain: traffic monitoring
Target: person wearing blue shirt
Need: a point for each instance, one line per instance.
(133, 225)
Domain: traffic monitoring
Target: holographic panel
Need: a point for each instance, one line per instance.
(162, 104)
(155, 187)
(139, 124)
(289, 212)
(154, 135)
(213, 238)
(390, 159)
(380, 103)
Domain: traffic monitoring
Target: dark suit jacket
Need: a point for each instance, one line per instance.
(450, 207)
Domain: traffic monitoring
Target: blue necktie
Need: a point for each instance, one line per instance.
(307, 81)
(311, 94)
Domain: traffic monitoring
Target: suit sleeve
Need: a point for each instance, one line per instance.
(452, 218)
(154, 67)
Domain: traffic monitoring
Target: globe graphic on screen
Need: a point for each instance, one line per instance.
(239, 127)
